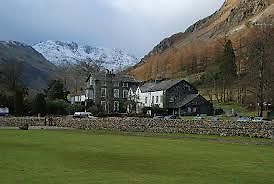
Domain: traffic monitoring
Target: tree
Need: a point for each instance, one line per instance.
(261, 65)
(56, 90)
(228, 67)
(39, 104)
(19, 95)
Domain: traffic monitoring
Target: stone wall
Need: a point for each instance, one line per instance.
(226, 128)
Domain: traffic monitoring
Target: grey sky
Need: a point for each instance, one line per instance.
(133, 25)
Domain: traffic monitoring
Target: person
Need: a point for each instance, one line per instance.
(50, 121)
(45, 123)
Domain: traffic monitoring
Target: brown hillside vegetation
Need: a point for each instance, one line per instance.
(191, 52)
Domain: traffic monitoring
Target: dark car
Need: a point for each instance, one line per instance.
(158, 117)
(171, 117)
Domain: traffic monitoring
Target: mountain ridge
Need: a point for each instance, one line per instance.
(234, 17)
(62, 53)
(36, 70)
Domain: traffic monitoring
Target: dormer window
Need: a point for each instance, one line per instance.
(125, 84)
(103, 92)
(116, 84)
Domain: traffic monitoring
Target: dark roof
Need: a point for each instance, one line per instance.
(189, 99)
(161, 86)
(102, 76)
(186, 100)
(134, 88)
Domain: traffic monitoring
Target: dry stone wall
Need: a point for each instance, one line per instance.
(224, 128)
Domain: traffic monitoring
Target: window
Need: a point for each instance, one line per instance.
(104, 105)
(116, 93)
(157, 99)
(116, 106)
(172, 100)
(125, 84)
(189, 109)
(146, 100)
(91, 81)
(116, 84)
(152, 99)
(103, 92)
(194, 109)
(125, 93)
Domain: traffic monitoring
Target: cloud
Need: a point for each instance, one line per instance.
(134, 25)
(163, 9)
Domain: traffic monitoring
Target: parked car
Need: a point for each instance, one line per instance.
(198, 118)
(4, 111)
(170, 117)
(82, 115)
(215, 119)
(258, 119)
(158, 117)
(244, 119)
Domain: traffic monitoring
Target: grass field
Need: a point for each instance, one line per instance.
(82, 157)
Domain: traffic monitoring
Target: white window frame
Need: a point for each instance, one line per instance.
(116, 106)
(116, 93)
(104, 105)
(124, 93)
(125, 84)
(116, 84)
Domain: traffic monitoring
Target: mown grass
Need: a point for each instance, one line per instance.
(43, 156)
(238, 108)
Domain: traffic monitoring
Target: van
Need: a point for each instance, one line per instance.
(4, 111)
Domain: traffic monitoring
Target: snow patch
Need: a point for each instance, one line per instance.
(60, 53)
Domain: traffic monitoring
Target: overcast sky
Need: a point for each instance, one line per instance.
(133, 25)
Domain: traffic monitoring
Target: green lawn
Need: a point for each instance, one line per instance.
(54, 157)
(238, 108)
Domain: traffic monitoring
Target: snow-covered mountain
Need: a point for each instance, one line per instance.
(62, 53)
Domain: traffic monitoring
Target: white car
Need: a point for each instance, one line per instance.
(258, 119)
(82, 115)
(244, 119)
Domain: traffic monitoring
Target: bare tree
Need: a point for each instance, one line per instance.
(261, 64)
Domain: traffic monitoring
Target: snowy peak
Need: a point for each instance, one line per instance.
(62, 53)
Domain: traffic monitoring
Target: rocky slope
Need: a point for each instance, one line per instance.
(62, 53)
(234, 17)
(36, 70)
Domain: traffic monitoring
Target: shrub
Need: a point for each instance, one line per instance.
(72, 108)
(57, 107)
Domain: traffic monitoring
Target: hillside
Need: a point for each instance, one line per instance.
(62, 53)
(36, 70)
(190, 52)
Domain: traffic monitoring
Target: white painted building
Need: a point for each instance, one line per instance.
(144, 97)
(78, 99)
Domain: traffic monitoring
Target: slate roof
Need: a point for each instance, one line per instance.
(101, 76)
(134, 88)
(161, 86)
(188, 99)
